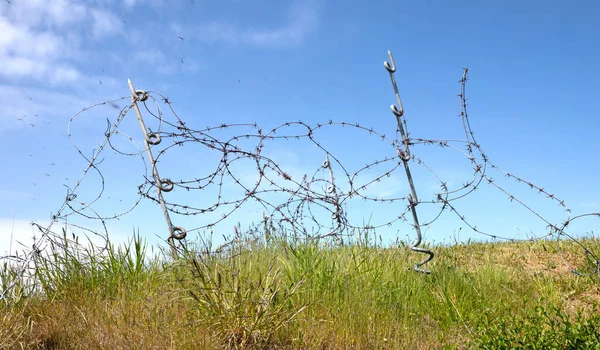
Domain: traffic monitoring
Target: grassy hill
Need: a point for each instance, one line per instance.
(297, 295)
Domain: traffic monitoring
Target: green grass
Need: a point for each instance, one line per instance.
(297, 295)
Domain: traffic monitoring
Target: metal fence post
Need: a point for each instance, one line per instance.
(404, 155)
(162, 185)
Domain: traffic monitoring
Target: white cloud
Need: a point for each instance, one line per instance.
(18, 102)
(38, 54)
(303, 20)
(19, 67)
(160, 63)
(15, 67)
(64, 74)
(105, 23)
(56, 13)
(21, 41)
(214, 32)
(303, 23)
(9, 34)
(388, 187)
(42, 40)
(590, 204)
(129, 4)
(62, 12)
(17, 235)
(155, 59)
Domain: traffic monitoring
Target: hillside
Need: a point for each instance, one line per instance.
(278, 295)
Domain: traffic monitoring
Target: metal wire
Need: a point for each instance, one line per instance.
(310, 206)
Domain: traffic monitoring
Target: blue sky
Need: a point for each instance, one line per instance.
(532, 98)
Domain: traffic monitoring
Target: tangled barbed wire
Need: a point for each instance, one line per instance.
(313, 205)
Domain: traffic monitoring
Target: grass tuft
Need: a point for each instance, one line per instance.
(282, 293)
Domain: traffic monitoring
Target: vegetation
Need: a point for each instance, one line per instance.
(282, 294)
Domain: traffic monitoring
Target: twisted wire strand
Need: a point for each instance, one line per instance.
(314, 206)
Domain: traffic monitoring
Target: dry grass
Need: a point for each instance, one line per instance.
(292, 296)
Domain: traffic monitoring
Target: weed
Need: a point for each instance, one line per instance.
(241, 296)
(282, 292)
(543, 327)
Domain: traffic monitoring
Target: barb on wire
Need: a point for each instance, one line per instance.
(26, 265)
(338, 214)
(314, 205)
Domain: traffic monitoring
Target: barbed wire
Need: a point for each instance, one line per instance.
(313, 206)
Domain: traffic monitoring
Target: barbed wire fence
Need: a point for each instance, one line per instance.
(318, 201)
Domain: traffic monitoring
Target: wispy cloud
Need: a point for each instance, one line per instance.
(46, 45)
(43, 40)
(162, 64)
(40, 13)
(35, 43)
(104, 23)
(17, 235)
(130, 3)
(590, 205)
(24, 41)
(22, 106)
(302, 20)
